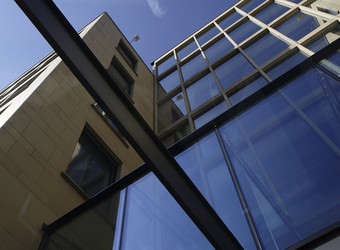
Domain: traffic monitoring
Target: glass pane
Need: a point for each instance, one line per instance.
(247, 90)
(233, 70)
(211, 114)
(218, 49)
(285, 151)
(154, 220)
(176, 135)
(168, 83)
(271, 12)
(251, 5)
(204, 164)
(193, 66)
(244, 31)
(325, 40)
(167, 64)
(295, 1)
(332, 63)
(202, 90)
(298, 26)
(286, 65)
(171, 111)
(229, 20)
(212, 32)
(186, 50)
(265, 48)
(92, 229)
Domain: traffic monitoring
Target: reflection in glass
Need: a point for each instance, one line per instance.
(325, 40)
(233, 70)
(285, 151)
(167, 64)
(186, 50)
(205, 37)
(193, 66)
(202, 90)
(265, 48)
(218, 49)
(211, 114)
(286, 65)
(332, 63)
(168, 83)
(154, 220)
(298, 26)
(229, 20)
(247, 90)
(251, 5)
(244, 31)
(271, 12)
(176, 135)
(170, 111)
(205, 165)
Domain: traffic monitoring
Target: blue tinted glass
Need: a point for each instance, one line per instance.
(211, 114)
(154, 220)
(247, 90)
(332, 63)
(265, 48)
(168, 63)
(204, 164)
(285, 151)
(176, 135)
(229, 20)
(170, 82)
(251, 5)
(270, 13)
(186, 50)
(170, 111)
(244, 31)
(295, 1)
(202, 90)
(217, 50)
(193, 66)
(298, 26)
(212, 32)
(233, 70)
(325, 40)
(286, 65)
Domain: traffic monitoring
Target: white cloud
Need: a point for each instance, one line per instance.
(156, 8)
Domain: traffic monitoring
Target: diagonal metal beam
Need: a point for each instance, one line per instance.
(49, 20)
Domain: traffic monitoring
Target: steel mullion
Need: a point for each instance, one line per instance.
(85, 66)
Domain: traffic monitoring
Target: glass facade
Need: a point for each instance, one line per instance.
(263, 150)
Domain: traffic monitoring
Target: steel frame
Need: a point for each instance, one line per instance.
(49, 20)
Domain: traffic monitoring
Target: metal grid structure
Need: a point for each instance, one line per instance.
(245, 30)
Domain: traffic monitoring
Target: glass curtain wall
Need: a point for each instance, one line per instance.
(254, 41)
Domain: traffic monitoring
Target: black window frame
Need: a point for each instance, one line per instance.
(111, 168)
(125, 52)
(116, 67)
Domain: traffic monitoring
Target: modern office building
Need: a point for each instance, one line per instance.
(249, 106)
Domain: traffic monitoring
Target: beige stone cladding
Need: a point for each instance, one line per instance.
(38, 133)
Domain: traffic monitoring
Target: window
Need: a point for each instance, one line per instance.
(102, 113)
(93, 167)
(127, 55)
(118, 73)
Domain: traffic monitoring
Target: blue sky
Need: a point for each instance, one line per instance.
(161, 24)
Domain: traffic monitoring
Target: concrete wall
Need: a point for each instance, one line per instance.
(39, 137)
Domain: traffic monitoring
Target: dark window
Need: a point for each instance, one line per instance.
(93, 167)
(118, 73)
(127, 55)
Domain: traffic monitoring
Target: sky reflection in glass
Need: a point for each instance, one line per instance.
(286, 153)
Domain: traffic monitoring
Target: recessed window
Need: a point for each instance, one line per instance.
(127, 55)
(118, 73)
(93, 167)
